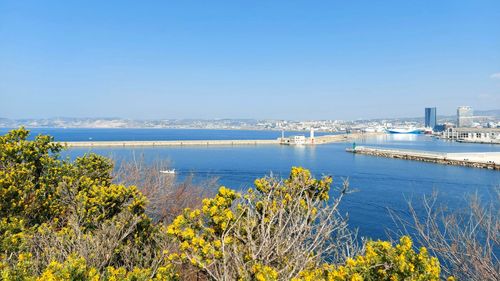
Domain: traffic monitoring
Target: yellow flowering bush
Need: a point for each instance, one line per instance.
(28, 171)
(36, 186)
(69, 208)
(76, 268)
(202, 234)
(381, 261)
(249, 237)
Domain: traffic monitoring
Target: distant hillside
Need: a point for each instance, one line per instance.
(494, 113)
(114, 122)
(491, 112)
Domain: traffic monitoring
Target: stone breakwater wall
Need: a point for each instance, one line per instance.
(317, 140)
(485, 160)
(166, 143)
(344, 137)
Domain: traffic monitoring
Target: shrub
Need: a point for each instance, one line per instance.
(53, 209)
(381, 261)
(272, 232)
(466, 240)
(76, 268)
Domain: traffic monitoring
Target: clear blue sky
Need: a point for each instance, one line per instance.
(247, 59)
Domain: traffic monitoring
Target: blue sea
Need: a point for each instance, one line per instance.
(76, 134)
(379, 183)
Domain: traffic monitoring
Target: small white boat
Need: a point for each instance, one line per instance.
(171, 171)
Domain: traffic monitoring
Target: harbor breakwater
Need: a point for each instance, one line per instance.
(485, 160)
(317, 140)
(166, 143)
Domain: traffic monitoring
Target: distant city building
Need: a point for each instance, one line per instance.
(439, 128)
(430, 117)
(465, 116)
(480, 135)
(300, 139)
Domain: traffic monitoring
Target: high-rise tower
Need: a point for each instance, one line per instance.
(464, 116)
(430, 117)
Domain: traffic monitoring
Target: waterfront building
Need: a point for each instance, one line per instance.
(479, 135)
(293, 140)
(465, 116)
(298, 139)
(430, 117)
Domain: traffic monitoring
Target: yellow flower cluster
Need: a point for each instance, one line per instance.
(99, 203)
(76, 268)
(272, 196)
(382, 262)
(299, 179)
(201, 233)
(264, 273)
(317, 188)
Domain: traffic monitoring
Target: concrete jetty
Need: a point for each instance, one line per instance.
(486, 160)
(317, 140)
(167, 143)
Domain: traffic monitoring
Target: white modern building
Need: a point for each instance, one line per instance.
(482, 135)
(465, 116)
(298, 140)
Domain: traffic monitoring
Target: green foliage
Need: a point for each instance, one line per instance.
(42, 195)
(12, 234)
(29, 173)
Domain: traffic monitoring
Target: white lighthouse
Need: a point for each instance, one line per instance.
(311, 135)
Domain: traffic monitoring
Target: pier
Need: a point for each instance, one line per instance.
(167, 143)
(159, 143)
(485, 160)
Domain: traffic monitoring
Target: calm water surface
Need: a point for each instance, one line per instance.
(76, 134)
(381, 183)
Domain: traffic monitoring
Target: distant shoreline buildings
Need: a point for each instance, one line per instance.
(429, 122)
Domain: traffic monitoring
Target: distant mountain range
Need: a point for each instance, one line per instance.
(65, 122)
(492, 112)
